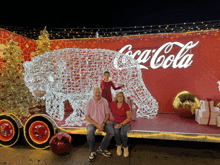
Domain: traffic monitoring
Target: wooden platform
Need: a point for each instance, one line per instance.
(163, 126)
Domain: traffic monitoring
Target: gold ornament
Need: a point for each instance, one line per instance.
(185, 104)
(218, 105)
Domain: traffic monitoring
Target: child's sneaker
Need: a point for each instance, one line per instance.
(92, 156)
(105, 153)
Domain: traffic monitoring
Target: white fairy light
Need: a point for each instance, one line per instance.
(71, 74)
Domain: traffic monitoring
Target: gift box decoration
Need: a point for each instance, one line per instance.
(133, 109)
(217, 109)
(133, 114)
(130, 102)
(205, 105)
(213, 121)
(206, 114)
(218, 121)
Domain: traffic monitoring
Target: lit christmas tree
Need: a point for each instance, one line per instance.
(43, 46)
(15, 96)
(43, 42)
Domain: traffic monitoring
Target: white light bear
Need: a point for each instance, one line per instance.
(72, 74)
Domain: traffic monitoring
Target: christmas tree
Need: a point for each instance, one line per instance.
(43, 42)
(15, 96)
(43, 46)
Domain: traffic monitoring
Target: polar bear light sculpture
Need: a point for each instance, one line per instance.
(72, 74)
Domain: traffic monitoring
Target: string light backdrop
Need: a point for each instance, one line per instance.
(84, 32)
(72, 74)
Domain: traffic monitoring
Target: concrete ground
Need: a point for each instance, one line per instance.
(142, 152)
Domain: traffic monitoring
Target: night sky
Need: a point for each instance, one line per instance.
(113, 13)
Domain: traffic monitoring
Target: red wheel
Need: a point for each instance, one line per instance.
(9, 131)
(38, 131)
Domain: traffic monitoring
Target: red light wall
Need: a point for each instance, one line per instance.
(27, 46)
(200, 78)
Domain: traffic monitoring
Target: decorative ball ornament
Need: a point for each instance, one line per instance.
(61, 143)
(218, 105)
(185, 103)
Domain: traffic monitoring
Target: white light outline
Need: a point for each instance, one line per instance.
(84, 68)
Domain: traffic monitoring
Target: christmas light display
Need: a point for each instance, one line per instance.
(15, 97)
(72, 74)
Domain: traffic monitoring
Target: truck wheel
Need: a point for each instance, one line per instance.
(9, 130)
(38, 131)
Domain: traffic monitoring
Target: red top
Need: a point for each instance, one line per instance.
(120, 113)
(106, 90)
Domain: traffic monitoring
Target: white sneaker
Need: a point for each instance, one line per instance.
(126, 152)
(119, 152)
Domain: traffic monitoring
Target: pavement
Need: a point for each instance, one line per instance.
(142, 152)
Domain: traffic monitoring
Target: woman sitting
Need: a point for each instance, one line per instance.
(121, 124)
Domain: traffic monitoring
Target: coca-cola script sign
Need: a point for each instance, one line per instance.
(182, 59)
